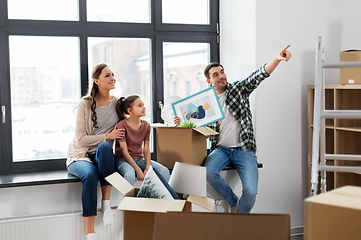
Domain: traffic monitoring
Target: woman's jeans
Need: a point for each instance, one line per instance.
(246, 165)
(90, 173)
(128, 172)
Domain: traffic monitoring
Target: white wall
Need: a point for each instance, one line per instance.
(252, 33)
(44, 199)
(350, 15)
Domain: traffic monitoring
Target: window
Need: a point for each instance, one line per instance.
(66, 10)
(196, 11)
(47, 55)
(181, 60)
(188, 88)
(127, 63)
(42, 82)
(134, 11)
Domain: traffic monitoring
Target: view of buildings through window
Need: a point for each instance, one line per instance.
(45, 92)
(183, 68)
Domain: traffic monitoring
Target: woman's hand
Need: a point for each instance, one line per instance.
(116, 133)
(176, 120)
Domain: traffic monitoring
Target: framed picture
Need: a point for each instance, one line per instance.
(201, 108)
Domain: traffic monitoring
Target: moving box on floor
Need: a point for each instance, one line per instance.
(334, 215)
(205, 226)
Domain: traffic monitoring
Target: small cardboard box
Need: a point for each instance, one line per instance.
(205, 226)
(334, 215)
(350, 75)
(187, 145)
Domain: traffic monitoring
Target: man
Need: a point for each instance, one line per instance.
(236, 143)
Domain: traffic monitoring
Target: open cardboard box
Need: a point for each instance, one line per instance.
(143, 211)
(185, 179)
(187, 145)
(334, 215)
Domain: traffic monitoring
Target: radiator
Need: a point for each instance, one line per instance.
(60, 226)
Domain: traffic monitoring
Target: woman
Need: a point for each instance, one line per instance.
(90, 154)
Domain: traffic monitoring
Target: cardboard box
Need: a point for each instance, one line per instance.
(205, 226)
(350, 75)
(187, 145)
(158, 219)
(334, 215)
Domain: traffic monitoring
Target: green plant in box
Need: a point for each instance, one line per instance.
(187, 124)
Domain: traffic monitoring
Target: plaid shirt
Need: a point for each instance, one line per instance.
(237, 101)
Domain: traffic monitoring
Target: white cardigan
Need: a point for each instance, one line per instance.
(83, 139)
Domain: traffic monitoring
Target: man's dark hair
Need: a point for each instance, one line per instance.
(209, 66)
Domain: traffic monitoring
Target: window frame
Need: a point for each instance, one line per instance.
(156, 31)
(212, 26)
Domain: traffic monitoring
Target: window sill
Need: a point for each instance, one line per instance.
(36, 178)
(45, 178)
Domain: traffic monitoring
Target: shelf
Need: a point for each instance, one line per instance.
(328, 126)
(338, 86)
(350, 129)
(342, 135)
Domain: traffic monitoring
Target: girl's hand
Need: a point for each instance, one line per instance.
(116, 133)
(176, 120)
(140, 174)
(146, 170)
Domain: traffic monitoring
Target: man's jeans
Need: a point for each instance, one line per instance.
(246, 165)
(90, 173)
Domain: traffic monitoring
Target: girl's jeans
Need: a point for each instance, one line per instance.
(128, 172)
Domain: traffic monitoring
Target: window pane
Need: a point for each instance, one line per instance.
(183, 68)
(185, 12)
(129, 60)
(66, 10)
(135, 11)
(45, 88)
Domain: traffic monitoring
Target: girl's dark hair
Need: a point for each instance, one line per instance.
(94, 90)
(123, 104)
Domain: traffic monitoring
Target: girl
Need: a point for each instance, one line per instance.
(132, 159)
(90, 154)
